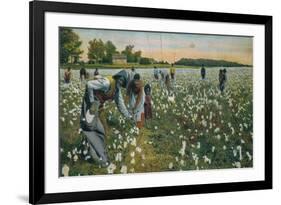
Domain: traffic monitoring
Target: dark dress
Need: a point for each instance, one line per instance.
(147, 107)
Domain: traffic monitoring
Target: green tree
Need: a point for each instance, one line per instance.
(129, 53)
(145, 61)
(110, 49)
(69, 46)
(96, 50)
(132, 57)
(137, 56)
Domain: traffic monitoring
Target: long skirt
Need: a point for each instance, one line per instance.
(94, 131)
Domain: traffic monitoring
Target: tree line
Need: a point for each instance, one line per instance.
(98, 51)
(207, 62)
(102, 53)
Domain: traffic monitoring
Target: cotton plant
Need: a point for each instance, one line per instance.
(199, 115)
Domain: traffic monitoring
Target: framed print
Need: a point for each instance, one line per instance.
(141, 102)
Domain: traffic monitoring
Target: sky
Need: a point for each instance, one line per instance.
(174, 46)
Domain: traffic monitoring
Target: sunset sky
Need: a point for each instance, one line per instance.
(174, 46)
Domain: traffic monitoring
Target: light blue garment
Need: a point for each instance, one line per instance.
(90, 122)
(139, 108)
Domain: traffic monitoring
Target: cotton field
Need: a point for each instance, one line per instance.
(197, 128)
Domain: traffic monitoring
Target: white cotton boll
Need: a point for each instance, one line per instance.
(249, 156)
(79, 131)
(132, 170)
(118, 157)
(217, 130)
(196, 161)
(71, 123)
(61, 150)
(171, 99)
(123, 169)
(65, 170)
(239, 148)
(111, 168)
(206, 159)
(74, 151)
(182, 150)
(224, 147)
(116, 132)
(232, 130)
(143, 157)
(75, 158)
(204, 123)
(155, 127)
(138, 149)
(198, 145)
(125, 144)
(133, 161)
(213, 148)
(132, 154)
(237, 164)
(182, 162)
(242, 141)
(62, 119)
(218, 137)
(226, 137)
(171, 165)
(69, 155)
(234, 153)
(134, 142)
(87, 157)
(85, 151)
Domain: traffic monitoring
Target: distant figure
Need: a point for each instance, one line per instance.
(96, 72)
(165, 80)
(222, 79)
(172, 72)
(87, 75)
(156, 73)
(67, 75)
(136, 96)
(203, 72)
(132, 72)
(82, 74)
(147, 102)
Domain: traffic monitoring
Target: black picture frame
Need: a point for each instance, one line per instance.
(37, 11)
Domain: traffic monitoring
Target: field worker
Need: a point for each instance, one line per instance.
(96, 72)
(67, 75)
(132, 72)
(172, 72)
(147, 102)
(222, 79)
(156, 73)
(83, 73)
(92, 120)
(136, 96)
(165, 80)
(203, 72)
